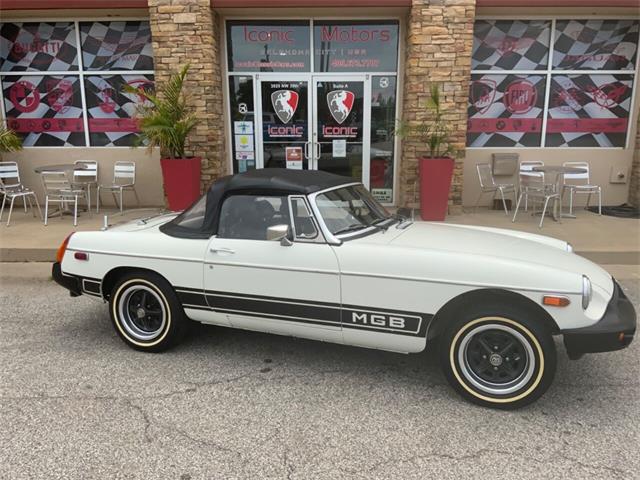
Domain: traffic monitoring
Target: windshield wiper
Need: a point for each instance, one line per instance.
(351, 228)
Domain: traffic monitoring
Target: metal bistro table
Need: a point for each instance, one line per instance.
(559, 172)
(66, 168)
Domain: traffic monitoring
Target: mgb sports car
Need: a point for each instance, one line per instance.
(314, 255)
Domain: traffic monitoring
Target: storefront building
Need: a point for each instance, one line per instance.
(321, 85)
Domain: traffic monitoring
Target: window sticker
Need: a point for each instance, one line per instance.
(511, 44)
(595, 44)
(38, 46)
(589, 110)
(45, 110)
(116, 45)
(505, 110)
(111, 111)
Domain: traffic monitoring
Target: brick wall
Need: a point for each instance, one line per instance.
(634, 184)
(439, 43)
(187, 31)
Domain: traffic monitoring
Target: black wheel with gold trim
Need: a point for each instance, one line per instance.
(145, 312)
(498, 356)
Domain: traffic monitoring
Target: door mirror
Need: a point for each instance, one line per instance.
(279, 233)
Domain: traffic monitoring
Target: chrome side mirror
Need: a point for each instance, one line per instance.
(279, 233)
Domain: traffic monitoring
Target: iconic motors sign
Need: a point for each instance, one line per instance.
(285, 46)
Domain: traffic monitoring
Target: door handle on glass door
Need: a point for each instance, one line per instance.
(306, 150)
(221, 250)
(318, 150)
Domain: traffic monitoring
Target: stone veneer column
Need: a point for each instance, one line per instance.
(439, 43)
(634, 183)
(187, 31)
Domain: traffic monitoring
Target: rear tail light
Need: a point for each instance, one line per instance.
(63, 248)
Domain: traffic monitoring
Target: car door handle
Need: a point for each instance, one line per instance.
(221, 250)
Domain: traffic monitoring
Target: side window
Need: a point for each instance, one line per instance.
(303, 223)
(248, 216)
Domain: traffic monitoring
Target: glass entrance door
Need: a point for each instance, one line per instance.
(285, 126)
(341, 126)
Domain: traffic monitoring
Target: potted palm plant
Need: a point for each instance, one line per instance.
(165, 121)
(436, 166)
(9, 141)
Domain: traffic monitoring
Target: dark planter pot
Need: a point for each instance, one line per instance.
(435, 183)
(181, 177)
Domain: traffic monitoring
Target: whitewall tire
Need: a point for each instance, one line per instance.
(499, 357)
(145, 312)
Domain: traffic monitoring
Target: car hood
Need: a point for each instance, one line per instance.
(501, 244)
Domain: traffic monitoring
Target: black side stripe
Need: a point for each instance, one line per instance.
(381, 320)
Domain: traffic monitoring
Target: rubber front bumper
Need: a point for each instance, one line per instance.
(70, 283)
(614, 331)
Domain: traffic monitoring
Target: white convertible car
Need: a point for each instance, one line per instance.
(313, 255)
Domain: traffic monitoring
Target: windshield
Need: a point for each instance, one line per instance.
(350, 209)
(193, 217)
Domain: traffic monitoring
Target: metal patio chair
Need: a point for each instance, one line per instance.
(11, 188)
(488, 185)
(58, 189)
(584, 186)
(532, 186)
(525, 168)
(85, 178)
(124, 178)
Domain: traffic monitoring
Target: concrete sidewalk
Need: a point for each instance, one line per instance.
(28, 240)
(605, 240)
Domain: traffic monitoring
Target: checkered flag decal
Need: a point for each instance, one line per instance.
(45, 110)
(589, 110)
(510, 44)
(112, 111)
(116, 45)
(41, 46)
(596, 44)
(505, 110)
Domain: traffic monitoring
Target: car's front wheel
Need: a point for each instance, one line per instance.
(498, 356)
(145, 312)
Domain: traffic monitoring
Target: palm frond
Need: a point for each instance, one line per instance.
(165, 119)
(9, 141)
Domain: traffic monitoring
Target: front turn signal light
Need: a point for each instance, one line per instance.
(63, 248)
(555, 301)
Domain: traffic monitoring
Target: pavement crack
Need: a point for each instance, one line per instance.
(145, 417)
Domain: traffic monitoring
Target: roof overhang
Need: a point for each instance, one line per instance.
(111, 4)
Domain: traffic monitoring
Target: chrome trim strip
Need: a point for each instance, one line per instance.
(310, 303)
(448, 282)
(157, 257)
(272, 267)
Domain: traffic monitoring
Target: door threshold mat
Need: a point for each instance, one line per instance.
(623, 211)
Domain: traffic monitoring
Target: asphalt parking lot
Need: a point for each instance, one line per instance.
(75, 402)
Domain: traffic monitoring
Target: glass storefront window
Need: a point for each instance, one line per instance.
(355, 46)
(46, 110)
(111, 111)
(382, 146)
(38, 47)
(590, 110)
(49, 110)
(242, 113)
(590, 75)
(505, 110)
(268, 46)
(595, 44)
(511, 44)
(116, 45)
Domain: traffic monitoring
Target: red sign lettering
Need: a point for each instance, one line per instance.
(268, 36)
(353, 35)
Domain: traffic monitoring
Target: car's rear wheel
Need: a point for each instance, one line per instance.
(145, 312)
(498, 356)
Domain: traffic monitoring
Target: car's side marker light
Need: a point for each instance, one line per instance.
(555, 301)
(81, 256)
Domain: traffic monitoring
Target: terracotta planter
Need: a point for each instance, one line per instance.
(181, 177)
(435, 183)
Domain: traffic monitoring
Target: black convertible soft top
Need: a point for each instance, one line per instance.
(268, 181)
